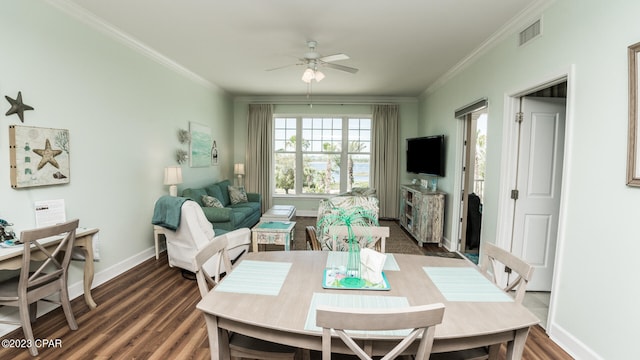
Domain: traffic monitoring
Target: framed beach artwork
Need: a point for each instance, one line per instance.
(38, 156)
(201, 145)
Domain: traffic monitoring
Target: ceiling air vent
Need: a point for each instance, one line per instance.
(530, 33)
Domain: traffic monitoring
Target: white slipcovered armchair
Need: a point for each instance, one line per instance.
(194, 232)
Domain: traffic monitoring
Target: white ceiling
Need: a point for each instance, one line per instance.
(400, 46)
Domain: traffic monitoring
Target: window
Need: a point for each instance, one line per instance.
(333, 155)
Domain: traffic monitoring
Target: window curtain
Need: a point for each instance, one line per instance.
(385, 159)
(259, 151)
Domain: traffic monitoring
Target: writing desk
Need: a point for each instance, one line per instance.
(11, 257)
(279, 307)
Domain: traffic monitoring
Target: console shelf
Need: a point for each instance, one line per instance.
(422, 213)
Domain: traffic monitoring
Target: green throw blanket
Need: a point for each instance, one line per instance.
(167, 211)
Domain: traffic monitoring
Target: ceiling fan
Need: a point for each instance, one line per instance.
(313, 61)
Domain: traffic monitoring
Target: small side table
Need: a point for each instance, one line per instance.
(274, 233)
(157, 231)
(279, 213)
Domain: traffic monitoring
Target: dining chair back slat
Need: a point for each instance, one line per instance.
(378, 233)
(420, 319)
(493, 255)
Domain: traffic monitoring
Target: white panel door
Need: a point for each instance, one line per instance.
(539, 186)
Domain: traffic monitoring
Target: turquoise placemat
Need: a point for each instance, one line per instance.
(255, 277)
(355, 301)
(337, 258)
(465, 284)
(278, 225)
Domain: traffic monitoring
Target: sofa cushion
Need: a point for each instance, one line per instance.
(210, 201)
(255, 206)
(242, 213)
(215, 191)
(216, 215)
(195, 195)
(237, 195)
(224, 192)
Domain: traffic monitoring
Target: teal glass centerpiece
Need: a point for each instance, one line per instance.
(349, 217)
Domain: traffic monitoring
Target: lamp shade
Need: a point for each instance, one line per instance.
(238, 169)
(172, 175)
(308, 75)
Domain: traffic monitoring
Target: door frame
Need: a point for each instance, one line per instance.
(508, 175)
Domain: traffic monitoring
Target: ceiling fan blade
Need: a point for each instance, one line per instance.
(334, 57)
(341, 67)
(284, 66)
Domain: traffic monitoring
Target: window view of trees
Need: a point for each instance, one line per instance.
(333, 156)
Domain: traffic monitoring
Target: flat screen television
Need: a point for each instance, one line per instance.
(425, 155)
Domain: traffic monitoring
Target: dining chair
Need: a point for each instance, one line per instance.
(312, 239)
(43, 273)
(345, 322)
(240, 346)
(494, 260)
(379, 233)
(493, 256)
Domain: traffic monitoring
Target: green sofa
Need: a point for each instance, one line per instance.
(232, 216)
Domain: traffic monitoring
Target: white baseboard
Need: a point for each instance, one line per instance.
(307, 213)
(77, 289)
(569, 343)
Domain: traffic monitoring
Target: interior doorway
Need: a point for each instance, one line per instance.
(536, 169)
(473, 177)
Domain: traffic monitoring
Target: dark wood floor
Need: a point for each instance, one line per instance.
(149, 313)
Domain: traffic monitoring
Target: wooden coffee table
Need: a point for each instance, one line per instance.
(273, 233)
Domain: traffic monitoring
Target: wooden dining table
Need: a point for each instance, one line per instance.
(273, 296)
(11, 257)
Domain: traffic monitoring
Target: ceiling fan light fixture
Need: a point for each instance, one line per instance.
(308, 75)
(319, 76)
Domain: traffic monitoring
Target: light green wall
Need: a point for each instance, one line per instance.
(122, 111)
(323, 106)
(595, 312)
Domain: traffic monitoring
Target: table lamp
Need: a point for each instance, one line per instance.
(238, 169)
(173, 176)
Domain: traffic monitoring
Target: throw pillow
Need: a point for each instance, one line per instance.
(237, 194)
(210, 201)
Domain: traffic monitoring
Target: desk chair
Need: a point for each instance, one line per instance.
(422, 319)
(380, 233)
(492, 257)
(240, 346)
(47, 278)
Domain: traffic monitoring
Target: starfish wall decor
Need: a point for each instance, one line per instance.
(48, 155)
(17, 106)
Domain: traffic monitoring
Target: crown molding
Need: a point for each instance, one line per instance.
(514, 25)
(324, 100)
(93, 21)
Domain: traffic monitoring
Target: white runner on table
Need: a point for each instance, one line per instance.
(356, 301)
(255, 277)
(465, 284)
